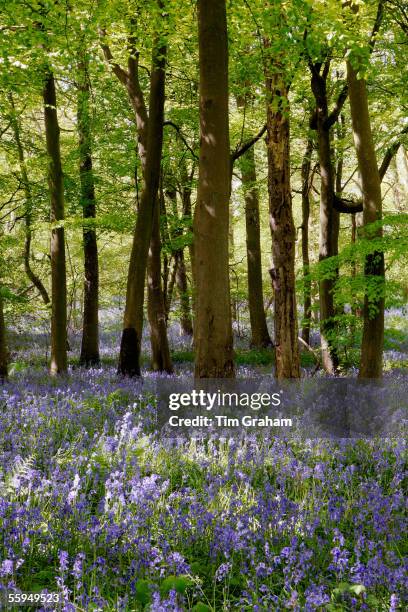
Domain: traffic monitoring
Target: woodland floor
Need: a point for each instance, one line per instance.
(95, 505)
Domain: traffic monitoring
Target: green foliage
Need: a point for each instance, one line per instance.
(296, 31)
(175, 583)
(142, 592)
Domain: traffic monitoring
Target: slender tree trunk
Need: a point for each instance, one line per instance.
(156, 298)
(355, 309)
(213, 329)
(170, 287)
(327, 236)
(58, 268)
(28, 202)
(130, 79)
(181, 280)
(282, 227)
(259, 329)
(164, 237)
(186, 197)
(129, 357)
(3, 345)
(90, 329)
(373, 331)
(187, 179)
(307, 283)
(161, 360)
(156, 305)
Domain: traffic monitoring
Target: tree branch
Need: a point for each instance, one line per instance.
(338, 106)
(347, 205)
(342, 97)
(120, 72)
(182, 138)
(247, 145)
(377, 24)
(390, 152)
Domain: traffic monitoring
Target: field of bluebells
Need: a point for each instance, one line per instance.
(96, 505)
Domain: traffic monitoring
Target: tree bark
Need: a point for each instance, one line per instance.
(187, 179)
(3, 345)
(58, 268)
(373, 330)
(161, 360)
(307, 283)
(170, 287)
(130, 79)
(287, 361)
(181, 281)
(259, 329)
(156, 305)
(156, 296)
(129, 357)
(28, 205)
(213, 329)
(327, 235)
(90, 328)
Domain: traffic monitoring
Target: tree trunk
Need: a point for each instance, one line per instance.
(28, 202)
(58, 269)
(181, 280)
(307, 283)
(3, 345)
(187, 179)
(129, 357)
(213, 329)
(156, 304)
(90, 329)
(259, 329)
(170, 287)
(327, 236)
(287, 361)
(373, 331)
(156, 295)
(161, 360)
(139, 256)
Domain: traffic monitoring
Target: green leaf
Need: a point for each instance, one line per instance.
(200, 569)
(142, 592)
(343, 587)
(175, 583)
(201, 607)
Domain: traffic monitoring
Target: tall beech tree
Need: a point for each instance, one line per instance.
(287, 361)
(331, 203)
(373, 330)
(129, 357)
(90, 329)
(307, 290)
(56, 192)
(182, 287)
(322, 121)
(213, 329)
(161, 359)
(259, 329)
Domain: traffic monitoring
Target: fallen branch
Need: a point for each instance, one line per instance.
(314, 352)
